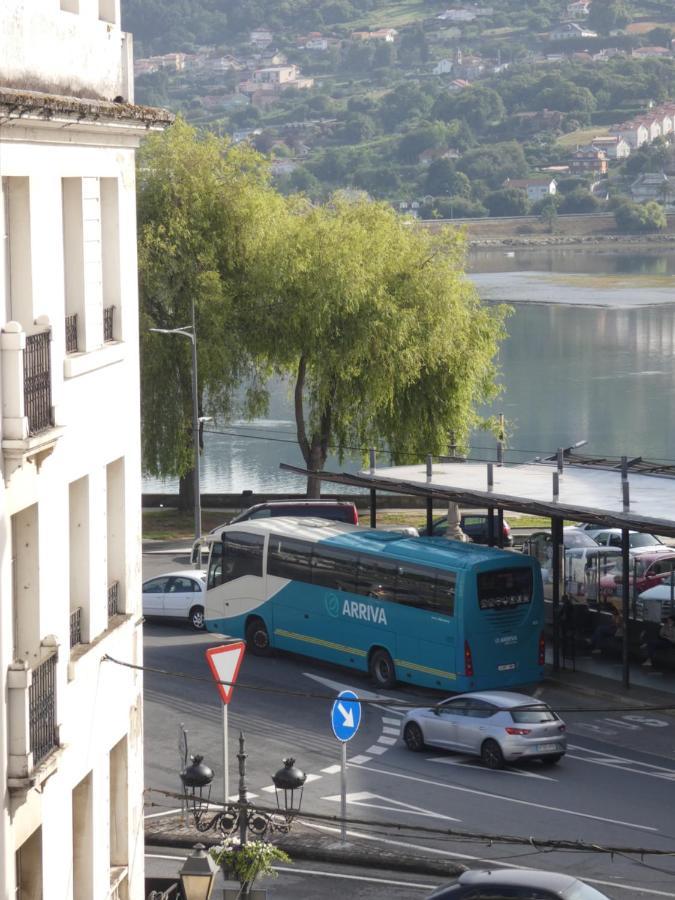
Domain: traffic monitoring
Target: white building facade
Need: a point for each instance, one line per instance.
(71, 745)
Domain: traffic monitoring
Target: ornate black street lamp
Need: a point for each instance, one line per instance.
(197, 874)
(289, 784)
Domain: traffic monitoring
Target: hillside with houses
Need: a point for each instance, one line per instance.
(443, 109)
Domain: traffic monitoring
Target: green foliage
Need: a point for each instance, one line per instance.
(580, 200)
(494, 163)
(478, 106)
(607, 15)
(507, 202)
(635, 217)
(249, 861)
(384, 337)
(443, 179)
(203, 209)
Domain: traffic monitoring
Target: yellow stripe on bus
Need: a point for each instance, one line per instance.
(321, 643)
(426, 669)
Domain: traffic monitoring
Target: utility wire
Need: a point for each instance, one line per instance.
(400, 704)
(453, 833)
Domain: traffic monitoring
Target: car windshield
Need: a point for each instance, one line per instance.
(638, 539)
(533, 714)
(578, 539)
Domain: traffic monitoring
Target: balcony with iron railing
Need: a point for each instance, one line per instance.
(32, 726)
(71, 334)
(108, 324)
(113, 599)
(75, 627)
(28, 430)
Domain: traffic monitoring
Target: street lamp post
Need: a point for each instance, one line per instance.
(241, 816)
(189, 332)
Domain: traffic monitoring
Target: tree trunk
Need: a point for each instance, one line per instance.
(186, 492)
(315, 452)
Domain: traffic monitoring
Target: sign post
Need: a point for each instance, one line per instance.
(345, 719)
(224, 662)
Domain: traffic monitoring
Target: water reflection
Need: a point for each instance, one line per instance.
(570, 372)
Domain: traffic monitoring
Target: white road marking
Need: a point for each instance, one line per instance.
(481, 859)
(389, 741)
(413, 884)
(166, 812)
(625, 764)
(376, 750)
(234, 797)
(387, 729)
(465, 790)
(392, 710)
(386, 720)
(359, 760)
(469, 762)
(339, 687)
(364, 798)
(331, 770)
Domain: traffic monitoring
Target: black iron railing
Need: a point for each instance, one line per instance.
(71, 333)
(42, 710)
(113, 599)
(76, 627)
(37, 382)
(108, 319)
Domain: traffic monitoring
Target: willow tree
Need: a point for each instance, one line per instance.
(205, 209)
(382, 335)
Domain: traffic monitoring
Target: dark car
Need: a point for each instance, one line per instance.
(528, 884)
(474, 526)
(336, 510)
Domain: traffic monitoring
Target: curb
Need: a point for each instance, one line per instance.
(325, 850)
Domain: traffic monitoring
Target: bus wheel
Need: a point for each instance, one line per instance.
(197, 618)
(382, 669)
(491, 755)
(413, 737)
(257, 638)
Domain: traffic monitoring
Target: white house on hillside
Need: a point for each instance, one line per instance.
(71, 739)
(535, 188)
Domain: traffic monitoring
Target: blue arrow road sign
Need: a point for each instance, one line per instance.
(345, 716)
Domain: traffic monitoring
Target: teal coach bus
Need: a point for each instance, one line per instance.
(418, 610)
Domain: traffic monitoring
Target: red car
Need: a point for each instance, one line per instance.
(647, 569)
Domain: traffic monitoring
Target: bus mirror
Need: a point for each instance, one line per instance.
(196, 555)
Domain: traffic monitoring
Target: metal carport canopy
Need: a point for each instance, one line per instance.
(588, 494)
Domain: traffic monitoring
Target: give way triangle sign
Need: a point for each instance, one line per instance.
(224, 662)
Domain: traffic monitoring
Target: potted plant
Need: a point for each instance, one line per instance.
(247, 862)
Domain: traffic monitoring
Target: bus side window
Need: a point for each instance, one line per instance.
(215, 565)
(445, 592)
(415, 586)
(289, 558)
(334, 569)
(242, 555)
(377, 578)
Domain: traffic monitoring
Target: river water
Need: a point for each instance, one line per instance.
(590, 356)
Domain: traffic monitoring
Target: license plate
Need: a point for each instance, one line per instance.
(546, 748)
(506, 667)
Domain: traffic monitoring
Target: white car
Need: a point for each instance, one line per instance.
(498, 726)
(176, 595)
(658, 601)
(638, 541)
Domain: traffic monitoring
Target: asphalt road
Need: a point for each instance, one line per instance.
(611, 788)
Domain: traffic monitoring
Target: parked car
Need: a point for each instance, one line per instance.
(529, 884)
(661, 598)
(638, 541)
(177, 595)
(585, 566)
(498, 726)
(337, 510)
(474, 525)
(647, 569)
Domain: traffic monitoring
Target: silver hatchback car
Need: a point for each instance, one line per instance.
(498, 726)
